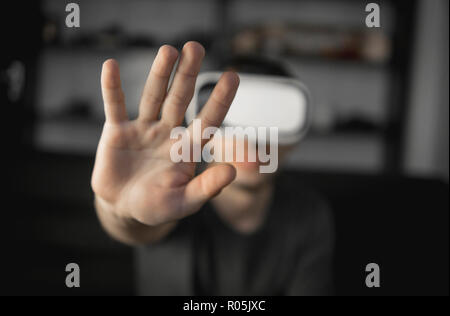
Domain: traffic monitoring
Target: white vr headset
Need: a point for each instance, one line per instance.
(261, 101)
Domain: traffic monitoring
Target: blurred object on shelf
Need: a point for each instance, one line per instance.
(111, 36)
(323, 119)
(357, 124)
(13, 77)
(50, 33)
(76, 108)
(299, 40)
(376, 47)
(329, 120)
(205, 38)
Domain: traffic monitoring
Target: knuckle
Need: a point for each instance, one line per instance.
(219, 101)
(153, 98)
(177, 99)
(160, 73)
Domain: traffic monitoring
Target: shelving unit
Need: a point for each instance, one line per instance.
(346, 90)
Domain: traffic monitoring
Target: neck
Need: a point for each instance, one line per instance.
(244, 210)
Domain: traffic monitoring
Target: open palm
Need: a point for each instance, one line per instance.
(133, 171)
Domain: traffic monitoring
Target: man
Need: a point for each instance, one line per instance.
(229, 230)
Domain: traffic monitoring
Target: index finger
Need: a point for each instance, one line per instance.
(113, 97)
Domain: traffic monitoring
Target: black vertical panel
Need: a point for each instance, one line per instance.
(399, 85)
(20, 29)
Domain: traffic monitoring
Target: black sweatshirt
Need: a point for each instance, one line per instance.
(290, 254)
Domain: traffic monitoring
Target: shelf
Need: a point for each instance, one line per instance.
(70, 136)
(341, 152)
(349, 151)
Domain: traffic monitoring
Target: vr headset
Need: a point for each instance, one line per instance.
(260, 101)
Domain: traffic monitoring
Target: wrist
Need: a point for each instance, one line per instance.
(109, 212)
(127, 229)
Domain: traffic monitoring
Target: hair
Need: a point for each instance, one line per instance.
(256, 65)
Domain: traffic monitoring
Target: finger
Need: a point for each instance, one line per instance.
(215, 110)
(113, 97)
(155, 88)
(206, 185)
(182, 89)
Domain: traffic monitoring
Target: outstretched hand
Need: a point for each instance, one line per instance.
(133, 172)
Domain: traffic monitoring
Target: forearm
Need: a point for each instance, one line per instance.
(128, 230)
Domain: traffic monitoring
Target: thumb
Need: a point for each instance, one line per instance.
(206, 185)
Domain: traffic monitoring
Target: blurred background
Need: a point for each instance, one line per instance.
(377, 149)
